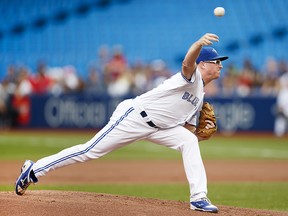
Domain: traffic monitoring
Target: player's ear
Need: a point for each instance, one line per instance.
(202, 65)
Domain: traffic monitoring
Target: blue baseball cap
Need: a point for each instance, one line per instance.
(209, 54)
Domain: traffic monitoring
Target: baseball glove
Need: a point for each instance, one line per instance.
(207, 113)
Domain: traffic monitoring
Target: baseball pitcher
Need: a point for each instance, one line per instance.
(167, 115)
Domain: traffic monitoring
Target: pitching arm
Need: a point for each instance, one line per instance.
(189, 62)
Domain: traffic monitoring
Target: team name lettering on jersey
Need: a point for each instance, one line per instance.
(190, 98)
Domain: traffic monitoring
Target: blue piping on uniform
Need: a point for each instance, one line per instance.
(89, 147)
(189, 81)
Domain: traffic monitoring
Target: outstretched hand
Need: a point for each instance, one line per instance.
(189, 62)
(208, 39)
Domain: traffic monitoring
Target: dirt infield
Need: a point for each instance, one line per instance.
(59, 203)
(79, 203)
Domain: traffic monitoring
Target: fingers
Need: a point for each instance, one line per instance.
(210, 124)
(208, 39)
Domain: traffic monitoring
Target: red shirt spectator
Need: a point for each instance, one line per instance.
(41, 83)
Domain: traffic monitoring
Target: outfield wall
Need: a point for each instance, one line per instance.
(87, 111)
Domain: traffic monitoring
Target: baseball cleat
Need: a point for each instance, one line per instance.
(203, 204)
(26, 178)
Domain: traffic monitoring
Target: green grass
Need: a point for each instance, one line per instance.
(20, 146)
(246, 147)
(260, 195)
(35, 145)
(23, 145)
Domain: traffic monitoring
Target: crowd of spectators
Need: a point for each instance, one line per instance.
(248, 80)
(112, 74)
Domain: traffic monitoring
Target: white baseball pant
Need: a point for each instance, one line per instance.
(126, 125)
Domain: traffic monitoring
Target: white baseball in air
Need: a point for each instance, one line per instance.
(219, 11)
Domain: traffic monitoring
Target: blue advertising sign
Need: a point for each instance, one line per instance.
(244, 114)
(72, 111)
(84, 111)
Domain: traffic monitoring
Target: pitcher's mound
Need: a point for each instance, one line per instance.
(41, 203)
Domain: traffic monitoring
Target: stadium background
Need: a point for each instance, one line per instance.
(70, 40)
(65, 38)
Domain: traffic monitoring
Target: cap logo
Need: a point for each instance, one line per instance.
(213, 50)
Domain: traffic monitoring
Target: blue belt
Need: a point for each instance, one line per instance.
(150, 123)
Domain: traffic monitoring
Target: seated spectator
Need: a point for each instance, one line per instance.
(116, 66)
(246, 79)
(72, 82)
(8, 113)
(19, 101)
(117, 75)
(40, 82)
(94, 84)
(228, 82)
(140, 74)
(158, 73)
(270, 83)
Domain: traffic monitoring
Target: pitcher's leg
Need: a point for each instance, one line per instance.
(194, 169)
(181, 139)
(126, 125)
(114, 135)
(94, 148)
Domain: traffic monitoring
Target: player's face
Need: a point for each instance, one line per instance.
(214, 68)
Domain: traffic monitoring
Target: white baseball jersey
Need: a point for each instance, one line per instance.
(173, 102)
(156, 116)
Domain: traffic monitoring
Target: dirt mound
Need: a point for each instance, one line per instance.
(41, 203)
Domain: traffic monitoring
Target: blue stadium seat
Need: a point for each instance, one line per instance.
(146, 29)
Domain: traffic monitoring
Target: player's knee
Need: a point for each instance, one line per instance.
(189, 139)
